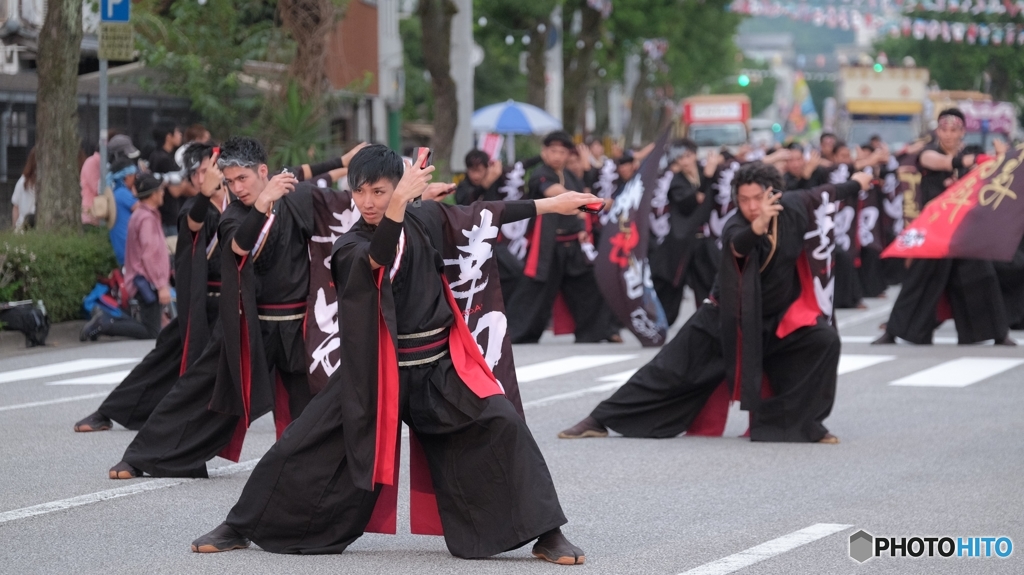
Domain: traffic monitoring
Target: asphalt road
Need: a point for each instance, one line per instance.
(934, 457)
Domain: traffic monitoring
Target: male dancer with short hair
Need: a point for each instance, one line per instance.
(764, 319)
(197, 271)
(408, 355)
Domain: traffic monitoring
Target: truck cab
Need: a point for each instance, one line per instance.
(717, 121)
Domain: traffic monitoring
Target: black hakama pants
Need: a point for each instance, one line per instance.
(664, 397)
(494, 490)
(1011, 283)
(848, 293)
(703, 268)
(529, 309)
(135, 398)
(872, 275)
(183, 433)
(671, 298)
(974, 298)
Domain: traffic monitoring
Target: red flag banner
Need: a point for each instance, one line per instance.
(981, 216)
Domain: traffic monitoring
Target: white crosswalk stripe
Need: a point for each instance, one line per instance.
(62, 368)
(959, 372)
(849, 362)
(556, 367)
(101, 379)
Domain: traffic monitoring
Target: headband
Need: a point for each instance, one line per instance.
(951, 121)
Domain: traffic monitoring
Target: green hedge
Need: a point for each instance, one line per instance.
(59, 268)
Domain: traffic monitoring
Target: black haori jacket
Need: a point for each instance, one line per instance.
(243, 388)
(478, 342)
(197, 272)
(803, 246)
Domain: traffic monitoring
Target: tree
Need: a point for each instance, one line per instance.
(59, 204)
(436, 21)
(309, 22)
(201, 49)
(578, 55)
(529, 18)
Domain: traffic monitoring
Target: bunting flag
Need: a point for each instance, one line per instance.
(621, 268)
(981, 216)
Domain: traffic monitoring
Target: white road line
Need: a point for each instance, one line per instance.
(959, 372)
(101, 379)
(132, 489)
(53, 401)
(614, 382)
(572, 394)
(62, 368)
(759, 553)
(853, 362)
(847, 363)
(943, 340)
(546, 369)
(864, 316)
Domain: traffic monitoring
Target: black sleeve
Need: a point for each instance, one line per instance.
(518, 210)
(848, 191)
(317, 169)
(200, 208)
(745, 240)
(248, 231)
(384, 245)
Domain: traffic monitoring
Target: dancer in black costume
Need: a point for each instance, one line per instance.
(408, 355)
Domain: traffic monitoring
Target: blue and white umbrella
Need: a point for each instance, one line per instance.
(513, 118)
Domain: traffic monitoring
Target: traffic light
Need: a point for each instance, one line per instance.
(743, 80)
(878, 68)
(776, 127)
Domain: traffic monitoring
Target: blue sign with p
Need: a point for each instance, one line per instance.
(115, 10)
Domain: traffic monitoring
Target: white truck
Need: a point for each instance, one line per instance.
(887, 102)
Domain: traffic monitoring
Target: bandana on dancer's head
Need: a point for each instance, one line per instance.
(952, 118)
(242, 152)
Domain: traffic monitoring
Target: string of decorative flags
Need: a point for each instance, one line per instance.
(980, 33)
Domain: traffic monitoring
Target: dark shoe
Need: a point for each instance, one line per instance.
(125, 470)
(91, 330)
(554, 547)
(589, 427)
(1009, 341)
(223, 538)
(95, 422)
(886, 339)
(829, 438)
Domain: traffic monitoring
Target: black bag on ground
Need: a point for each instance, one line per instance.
(29, 320)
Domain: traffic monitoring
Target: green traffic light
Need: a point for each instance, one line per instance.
(776, 127)
(878, 67)
(743, 80)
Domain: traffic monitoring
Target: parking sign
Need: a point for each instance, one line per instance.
(115, 10)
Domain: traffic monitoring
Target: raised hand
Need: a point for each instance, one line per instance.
(347, 158)
(278, 187)
(211, 180)
(414, 181)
